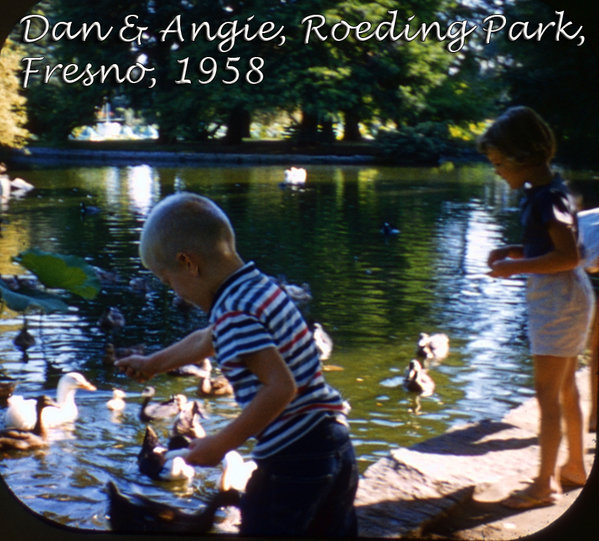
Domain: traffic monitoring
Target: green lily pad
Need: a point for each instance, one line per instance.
(58, 271)
(22, 302)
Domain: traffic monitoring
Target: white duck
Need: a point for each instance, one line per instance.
(117, 402)
(236, 472)
(21, 412)
(295, 175)
(432, 347)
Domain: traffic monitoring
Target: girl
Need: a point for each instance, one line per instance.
(560, 301)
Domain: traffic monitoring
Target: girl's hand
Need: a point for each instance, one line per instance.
(136, 367)
(206, 451)
(497, 254)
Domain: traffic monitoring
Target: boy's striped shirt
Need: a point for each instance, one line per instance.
(251, 313)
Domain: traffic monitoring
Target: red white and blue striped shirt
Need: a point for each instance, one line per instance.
(251, 313)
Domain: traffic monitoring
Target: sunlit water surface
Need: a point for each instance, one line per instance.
(373, 294)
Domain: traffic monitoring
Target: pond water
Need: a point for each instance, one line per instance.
(373, 294)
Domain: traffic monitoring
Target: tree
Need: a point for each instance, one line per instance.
(13, 116)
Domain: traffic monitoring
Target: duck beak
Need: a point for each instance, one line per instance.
(88, 386)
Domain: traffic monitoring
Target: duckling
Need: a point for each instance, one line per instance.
(162, 410)
(160, 463)
(24, 339)
(433, 347)
(24, 439)
(117, 402)
(21, 412)
(295, 176)
(218, 386)
(137, 514)
(417, 380)
(112, 319)
(236, 472)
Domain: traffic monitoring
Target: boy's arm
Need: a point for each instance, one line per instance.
(191, 349)
(277, 390)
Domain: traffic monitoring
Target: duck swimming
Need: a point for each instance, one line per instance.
(295, 176)
(236, 472)
(24, 339)
(117, 402)
(417, 380)
(161, 410)
(160, 463)
(323, 341)
(21, 412)
(432, 347)
(187, 425)
(217, 386)
(14, 438)
(136, 513)
(112, 319)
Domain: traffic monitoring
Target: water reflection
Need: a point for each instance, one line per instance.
(373, 294)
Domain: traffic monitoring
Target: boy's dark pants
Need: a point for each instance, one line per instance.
(307, 489)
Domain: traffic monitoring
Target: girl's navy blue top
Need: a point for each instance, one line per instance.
(540, 206)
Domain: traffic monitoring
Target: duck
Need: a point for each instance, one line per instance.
(87, 210)
(187, 425)
(138, 514)
(295, 176)
(432, 347)
(23, 440)
(6, 390)
(201, 370)
(163, 464)
(388, 230)
(324, 343)
(21, 412)
(217, 386)
(140, 284)
(117, 402)
(112, 319)
(417, 380)
(236, 472)
(24, 339)
(20, 186)
(300, 294)
(161, 410)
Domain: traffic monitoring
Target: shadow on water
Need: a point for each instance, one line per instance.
(373, 293)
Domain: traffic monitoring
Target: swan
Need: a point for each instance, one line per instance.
(417, 380)
(161, 410)
(432, 347)
(295, 176)
(236, 472)
(137, 514)
(117, 402)
(160, 463)
(21, 412)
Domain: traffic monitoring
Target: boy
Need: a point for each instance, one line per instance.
(307, 476)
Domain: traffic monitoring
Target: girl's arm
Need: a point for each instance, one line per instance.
(512, 251)
(563, 257)
(191, 349)
(278, 389)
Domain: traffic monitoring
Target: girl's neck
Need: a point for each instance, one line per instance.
(540, 175)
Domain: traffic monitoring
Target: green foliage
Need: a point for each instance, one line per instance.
(423, 143)
(61, 272)
(26, 300)
(13, 117)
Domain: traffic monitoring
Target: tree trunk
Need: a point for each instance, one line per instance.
(238, 125)
(351, 129)
(308, 129)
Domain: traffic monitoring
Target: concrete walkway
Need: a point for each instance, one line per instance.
(461, 473)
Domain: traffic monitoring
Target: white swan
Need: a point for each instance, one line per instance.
(21, 412)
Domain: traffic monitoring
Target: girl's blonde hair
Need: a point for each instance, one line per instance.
(184, 222)
(521, 135)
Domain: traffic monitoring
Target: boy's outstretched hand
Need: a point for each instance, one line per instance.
(206, 451)
(136, 367)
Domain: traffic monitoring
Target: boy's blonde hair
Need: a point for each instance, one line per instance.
(521, 135)
(184, 222)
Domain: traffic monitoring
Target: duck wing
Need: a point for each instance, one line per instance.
(136, 513)
(20, 413)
